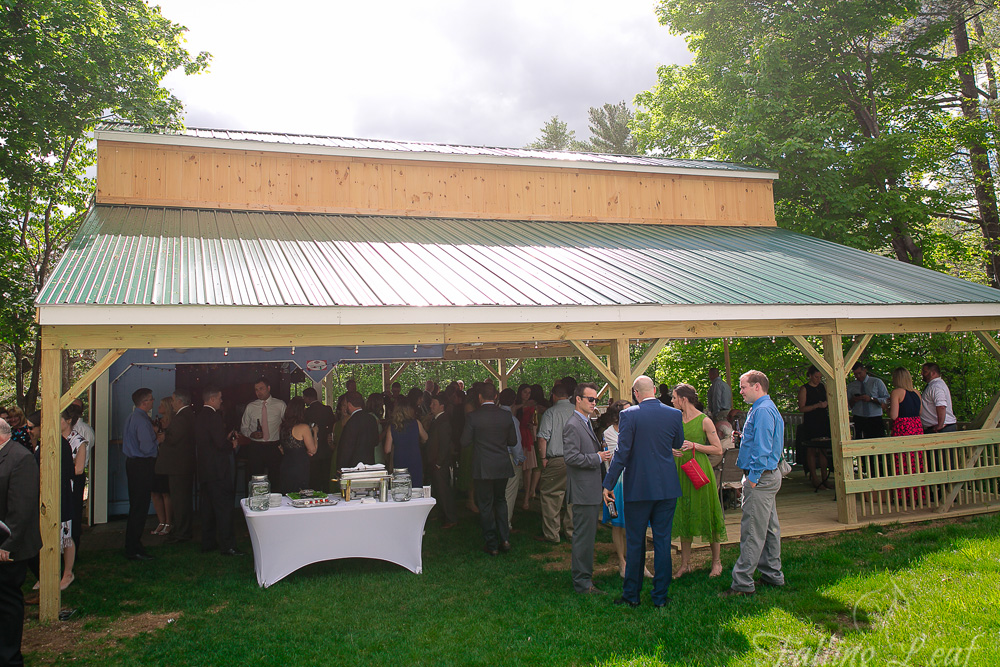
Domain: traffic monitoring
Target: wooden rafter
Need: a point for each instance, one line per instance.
(89, 377)
(812, 355)
(854, 353)
(989, 343)
(399, 371)
(647, 357)
(595, 361)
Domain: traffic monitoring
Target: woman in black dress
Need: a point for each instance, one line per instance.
(815, 425)
(298, 443)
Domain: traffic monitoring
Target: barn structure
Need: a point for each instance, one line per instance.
(224, 240)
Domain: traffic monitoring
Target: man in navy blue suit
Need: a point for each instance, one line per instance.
(648, 434)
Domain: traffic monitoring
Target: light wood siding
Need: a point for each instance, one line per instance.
(140, 174)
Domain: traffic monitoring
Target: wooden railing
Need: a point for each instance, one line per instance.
(896, 475)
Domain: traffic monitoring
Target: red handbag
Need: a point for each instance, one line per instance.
(695, 473)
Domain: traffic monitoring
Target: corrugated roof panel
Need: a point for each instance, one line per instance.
(139, 255)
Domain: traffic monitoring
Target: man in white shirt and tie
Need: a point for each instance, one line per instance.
(262, 424)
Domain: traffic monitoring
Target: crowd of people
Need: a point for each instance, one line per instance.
(631, 466)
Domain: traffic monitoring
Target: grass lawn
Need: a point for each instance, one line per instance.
(925, 594)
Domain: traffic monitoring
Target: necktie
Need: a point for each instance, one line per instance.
(265, 432)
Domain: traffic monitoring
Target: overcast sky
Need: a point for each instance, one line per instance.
(443, 71)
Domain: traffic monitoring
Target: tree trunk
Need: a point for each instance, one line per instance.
(982, 173)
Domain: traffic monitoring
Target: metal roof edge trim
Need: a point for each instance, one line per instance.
(76, 314)
(552, 163)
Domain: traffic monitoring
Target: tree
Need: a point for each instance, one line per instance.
(843, 99)
(68, 65)
(556, 136)
(610, 131)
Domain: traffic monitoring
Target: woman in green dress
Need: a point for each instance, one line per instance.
(698, 512)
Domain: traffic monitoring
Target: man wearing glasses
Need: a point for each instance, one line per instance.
(583, 456)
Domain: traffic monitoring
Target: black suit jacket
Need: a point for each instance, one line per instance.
(439, 441)
(175, 455)
(322, 416)
(358, 440)
(215, 452)
(490, 431)
(19, 501)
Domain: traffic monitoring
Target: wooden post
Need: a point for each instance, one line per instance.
(840, 427)
(729, 368)
(501, 374)
(386, 374)
(101, 422)
(50, 503)
(621, 366)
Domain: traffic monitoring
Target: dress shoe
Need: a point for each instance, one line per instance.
(491, 552)
(623, 601)
(142, 556)
(504, 547)
(593, 590)
(542, 538)
(770, 584)
(733, 593)
(232, 552)
(662, 604)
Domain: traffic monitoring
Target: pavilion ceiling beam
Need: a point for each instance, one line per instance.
(518, 353)
(989, 343)
(647, 357)
(854, 353)
(812, 355)
(399, 371)
(218, 335)
(485, 364)
(989, 416)
(89, 377)
(595, 361)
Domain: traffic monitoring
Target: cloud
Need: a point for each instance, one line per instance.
(451, 71)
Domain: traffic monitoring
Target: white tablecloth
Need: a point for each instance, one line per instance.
(286, 538)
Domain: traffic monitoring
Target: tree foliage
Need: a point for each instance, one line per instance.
(556, 136)
(856, 104)
(610, 130)
(68, 64)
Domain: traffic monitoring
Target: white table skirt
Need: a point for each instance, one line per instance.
(286, 538)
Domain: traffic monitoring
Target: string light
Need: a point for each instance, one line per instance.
(225, 352)
(355, 349)
(536, 344)
(293, 349)
(414, 348)
(156, 352)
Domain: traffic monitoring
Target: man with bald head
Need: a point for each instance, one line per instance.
(649, 434)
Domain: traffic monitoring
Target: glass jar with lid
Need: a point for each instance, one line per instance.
(259, 495)
(402, 486)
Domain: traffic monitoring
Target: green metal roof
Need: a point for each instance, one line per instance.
(129, 255)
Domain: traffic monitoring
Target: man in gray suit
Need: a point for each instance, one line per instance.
(19, 543)
(175, 459)
(490, 431)
(583, 455)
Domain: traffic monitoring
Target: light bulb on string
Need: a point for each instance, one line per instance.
(225, 352)
(156, 352)
(536, 344)
(414, 348)
(293, 350)
(355, 349)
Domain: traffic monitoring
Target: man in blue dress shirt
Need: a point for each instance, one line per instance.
(139, 446)
(760, 450)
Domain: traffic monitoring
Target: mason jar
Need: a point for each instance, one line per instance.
(259, 495)
(402, 487)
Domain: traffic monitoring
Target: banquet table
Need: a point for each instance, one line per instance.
(287, 538)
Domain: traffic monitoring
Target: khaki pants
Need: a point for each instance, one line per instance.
(552, 493)
(513, 484)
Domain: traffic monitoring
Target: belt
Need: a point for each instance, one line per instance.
(554, 456)
(747, 472)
